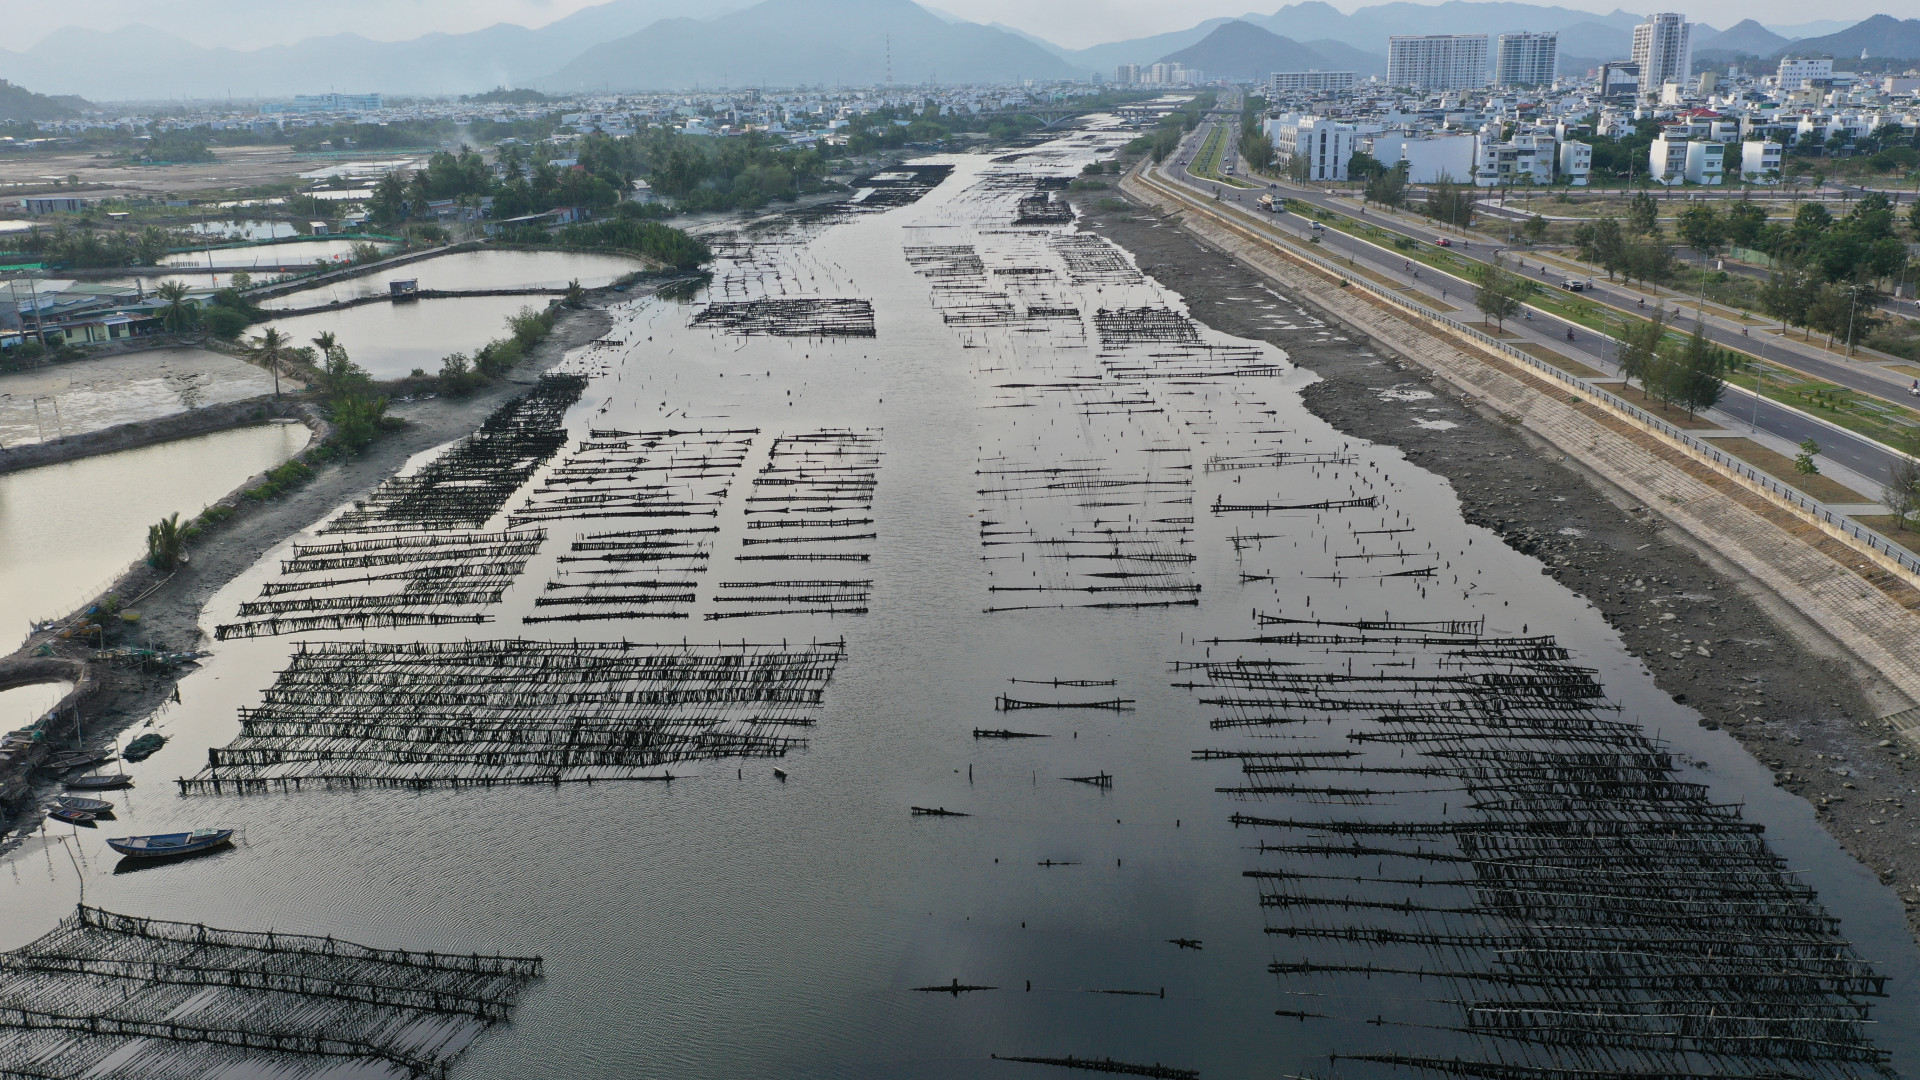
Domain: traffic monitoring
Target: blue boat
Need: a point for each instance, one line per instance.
(169, 844)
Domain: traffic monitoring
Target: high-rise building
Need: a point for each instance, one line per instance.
(1127, 74)
(1663, 48)
(1282, 82)
(1795, 73)
(1527, 59)
(1438, 61)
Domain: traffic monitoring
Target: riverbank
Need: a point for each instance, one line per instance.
(1713, 635)
(111, 697)
(182, 425)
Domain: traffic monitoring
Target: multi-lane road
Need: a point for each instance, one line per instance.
(1739, 409)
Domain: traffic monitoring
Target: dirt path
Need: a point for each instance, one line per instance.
(1713, 636)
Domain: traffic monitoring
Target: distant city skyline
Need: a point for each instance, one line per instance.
(247, 24)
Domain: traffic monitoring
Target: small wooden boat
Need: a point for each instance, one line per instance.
(96, 807)
(166, 844)
(80, 760)
(779, 773)
(71, 817)
(100, 782)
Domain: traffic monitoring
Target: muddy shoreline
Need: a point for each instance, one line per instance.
(1714, 637)
(117, 697)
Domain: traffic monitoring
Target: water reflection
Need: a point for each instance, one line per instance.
(474, 270)
(390, 340)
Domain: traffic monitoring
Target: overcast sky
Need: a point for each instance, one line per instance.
(1073, 23)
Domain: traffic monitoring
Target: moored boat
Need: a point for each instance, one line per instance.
(71, 817)
(166, 844)
(96, 807)
(100, 782)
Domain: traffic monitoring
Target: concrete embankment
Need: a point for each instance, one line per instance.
(183, 425)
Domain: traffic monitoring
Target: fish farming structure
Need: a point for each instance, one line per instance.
(1121, 327)
(112, 995)
(480, 713)
(471, 481)
(419, 576)
(819, 318)
(1493, 855)
(1041, 208)
(813, 502)
(900, 185)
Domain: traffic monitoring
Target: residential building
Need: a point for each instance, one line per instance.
(1312, 147)
(1667, 154)
(1663, 48)
(1437, 61)
(1296, 82)
(1127, 75)
(1430, 157)
(54, 204)
(1576, 162)
(1527, 59)
(1705, 161)
(1520, 161)
(326, 103)
(1760, 161)
(1796, 74)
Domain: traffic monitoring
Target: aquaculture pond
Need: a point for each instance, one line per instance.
(74, 398)
(292, 253)
(1089, 704)
(22, 705)
(67, 530)
(392, 339)
(473, 270)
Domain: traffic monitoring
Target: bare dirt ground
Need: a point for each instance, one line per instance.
(1713, 637)
(103, 175)
(87, 395)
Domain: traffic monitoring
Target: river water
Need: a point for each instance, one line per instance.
(469, 270)
(67, 530)
(1065, 492)
(391, 340)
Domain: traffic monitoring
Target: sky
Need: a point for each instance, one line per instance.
(1072, 23)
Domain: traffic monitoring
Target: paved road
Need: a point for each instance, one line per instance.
(1739, 409)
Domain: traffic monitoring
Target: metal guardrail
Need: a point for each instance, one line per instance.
(1818, 511)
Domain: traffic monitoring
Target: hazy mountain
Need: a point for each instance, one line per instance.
(1880, 36)
(1058, 50)
(1340, 56)
(1593, 39)
(20, 103)
(1105, 58)
(1816, 28)
(1243, 51)
(1745, 36)
(143, 63)
(795, 42)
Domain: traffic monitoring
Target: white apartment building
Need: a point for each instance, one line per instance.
(1325, 145)
(1760, 161)
(1794, 74)
(1576, 162)
(1667, 155)
(1430, 157)
(1662, 47)
(1705, 161)
(1127, 75)
(1295, 82)
(1527, 59)
(1517, 162)
(1437, 61)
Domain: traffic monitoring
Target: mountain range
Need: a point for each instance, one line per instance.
(678, 44)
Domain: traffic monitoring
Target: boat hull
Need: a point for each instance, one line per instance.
(171, 845)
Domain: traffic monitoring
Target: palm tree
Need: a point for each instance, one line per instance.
(178, 314)
(271, 349)
(166, 543)
(325, 342)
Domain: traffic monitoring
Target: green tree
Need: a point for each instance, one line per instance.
(179, 312)
(270, 350)
(166, 543)
(1803, 462)
(1744, 222)
(389, 203)
(1843, 312)
(1703, 229)
(576, 296)
(1536, 229)
(357, 420)
(1643, 214)
(1699, 373)
(1787, 295)
(1640, 348)
(1449, 203)
(1389, 186)
(1499, 291)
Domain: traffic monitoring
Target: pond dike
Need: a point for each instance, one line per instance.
(423, 294)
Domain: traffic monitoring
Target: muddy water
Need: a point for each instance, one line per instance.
(474, 270)
(22, 705)
(390, 340)
(291, 254)
(71, 399)
(724, 926)
(66, 530)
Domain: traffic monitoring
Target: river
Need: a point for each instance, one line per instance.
(1038, 484)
